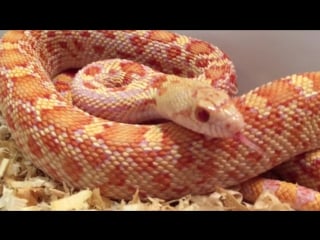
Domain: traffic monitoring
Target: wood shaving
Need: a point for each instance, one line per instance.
(4, 132)
(9, 201)
(77, 201)
(3, 166)
(24, 187)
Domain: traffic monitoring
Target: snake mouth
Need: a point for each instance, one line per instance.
(225, 125)
(219, 131)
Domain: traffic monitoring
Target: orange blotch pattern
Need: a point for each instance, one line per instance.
(173, 52)
(89, 85)
(202, 63)
(206, 170)
(254, 156)
(99, 49)
(63, 45)
(14, 37)
(71, 119)
(79, 46)
(9, 119)
(154, 63)
(279, 94)
(124, 55)
(62, 81)
(185, 162)
(108, 34)
(157, 83)
(132, 68)
(52, 146)
(4, 90)
(316, 80)
(138, 44)
(34, 147)
(163, 180)
(94, 155)
(33, 93)
(214, 73)
(138, 41)
(92, 70)
(177, 71)
(51, 34)
(25, 118)
(162, 36)
(199, 47)
(72, 168)
(144, 161)
(13, 58)
(120, 132)
(117, 177)
(85, 34)
(95, 160)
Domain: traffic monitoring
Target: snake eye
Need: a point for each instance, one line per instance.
(202, 115)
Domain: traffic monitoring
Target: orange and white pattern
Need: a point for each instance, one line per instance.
(165, 160)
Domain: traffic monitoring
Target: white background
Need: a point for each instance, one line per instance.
(262, 56)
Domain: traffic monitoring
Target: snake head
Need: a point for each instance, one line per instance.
(199, 107)
(214, 114)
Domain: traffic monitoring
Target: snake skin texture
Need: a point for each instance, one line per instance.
(164, 160)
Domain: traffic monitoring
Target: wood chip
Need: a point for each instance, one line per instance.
(9, 201)
(98, 202)
(3, 166)
(76, 201)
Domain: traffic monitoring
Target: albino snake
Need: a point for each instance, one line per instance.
(276, 121)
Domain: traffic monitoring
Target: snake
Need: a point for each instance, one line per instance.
(210, 136)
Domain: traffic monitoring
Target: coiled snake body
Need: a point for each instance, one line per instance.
(164, 160)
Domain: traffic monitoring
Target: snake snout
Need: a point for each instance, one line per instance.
(233, 125)
(226, 122)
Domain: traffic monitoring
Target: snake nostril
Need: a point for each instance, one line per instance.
(202, 115)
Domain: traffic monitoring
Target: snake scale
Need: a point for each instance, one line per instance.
(164, 160)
